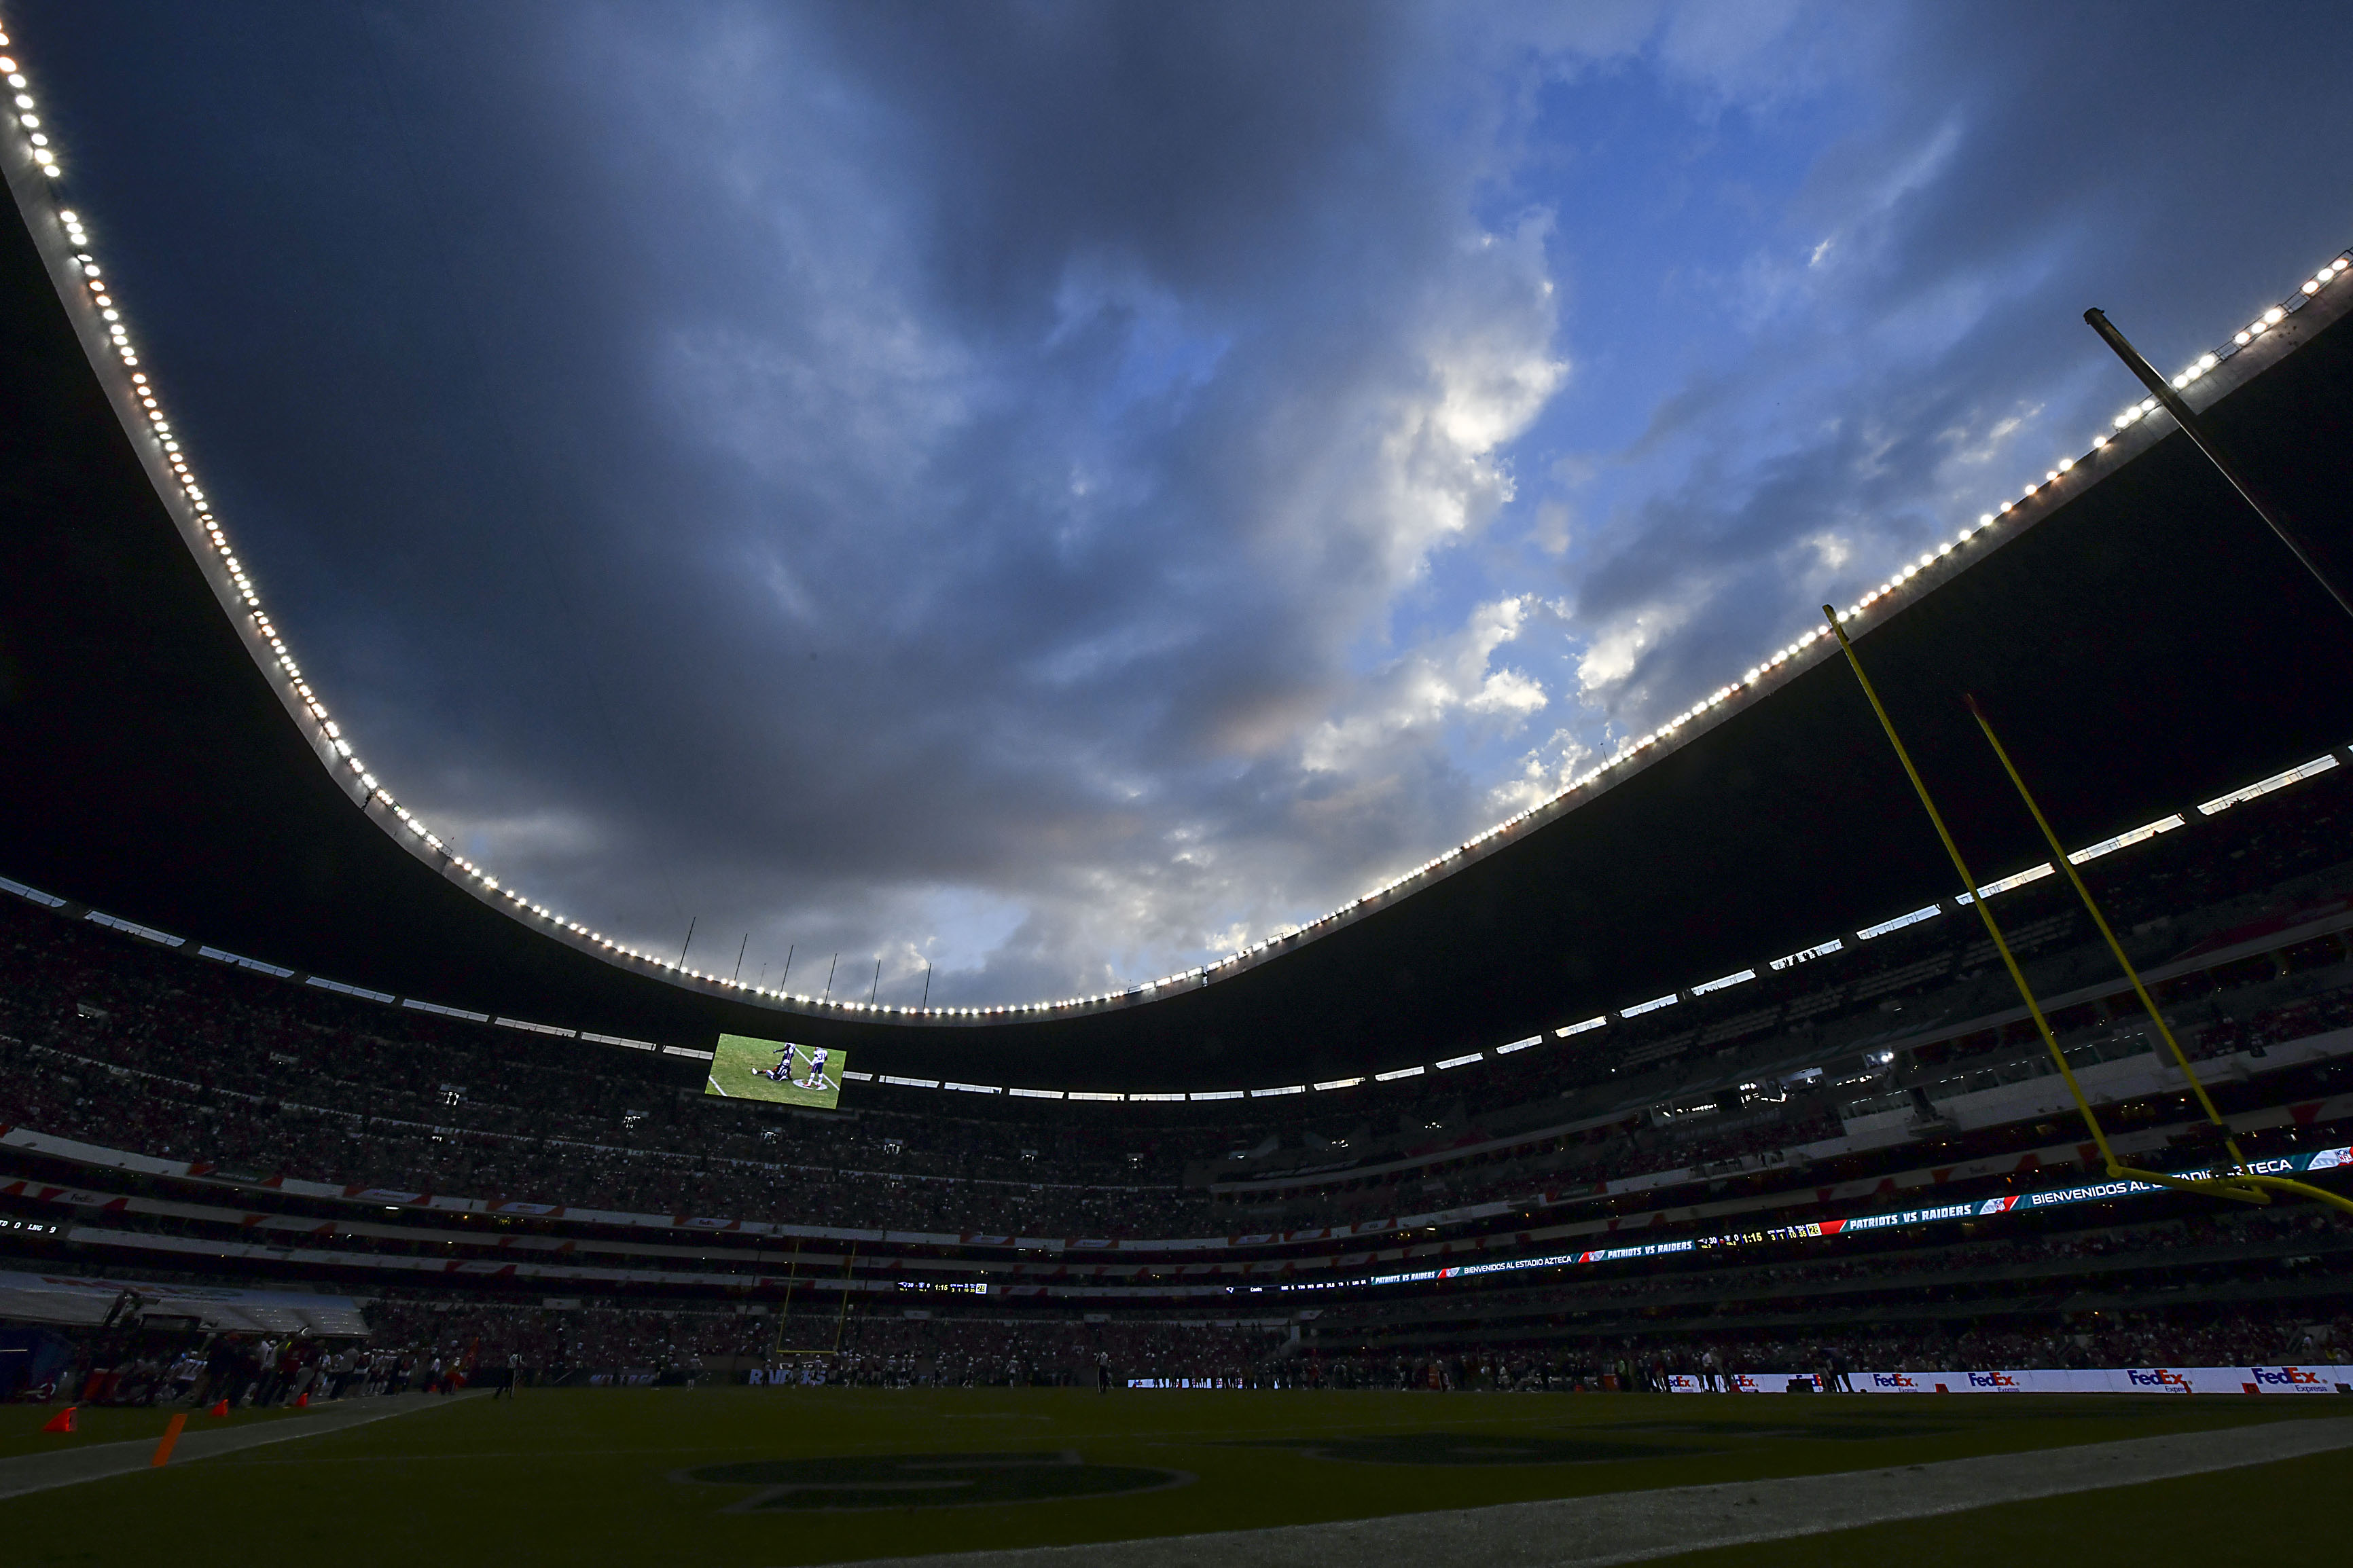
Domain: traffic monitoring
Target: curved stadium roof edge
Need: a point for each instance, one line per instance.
(106, 385)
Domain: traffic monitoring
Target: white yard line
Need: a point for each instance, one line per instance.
(1635, 1527)
(39, 1472)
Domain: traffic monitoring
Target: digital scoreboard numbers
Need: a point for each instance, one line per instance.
(780, 1071)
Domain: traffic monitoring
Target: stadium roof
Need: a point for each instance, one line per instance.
(2142, 641)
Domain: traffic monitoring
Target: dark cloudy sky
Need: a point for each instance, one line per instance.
(1058, 491)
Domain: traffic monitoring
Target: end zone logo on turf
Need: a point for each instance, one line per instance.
(864, 1482)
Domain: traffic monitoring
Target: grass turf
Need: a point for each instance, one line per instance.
(607, 1476)
(2263, 1514)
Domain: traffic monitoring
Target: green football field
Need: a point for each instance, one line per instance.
(741, 1477)
(738, 1062)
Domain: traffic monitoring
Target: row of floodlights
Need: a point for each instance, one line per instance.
(1630, 749)
(2222, 803)
(331, 739)
(2317, 766)
(36, 139)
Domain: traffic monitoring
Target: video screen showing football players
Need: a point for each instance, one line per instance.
(779, 1071)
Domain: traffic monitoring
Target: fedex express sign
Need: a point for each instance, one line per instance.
(2084, 1380)
(2159, 1379)
(2290, 1377)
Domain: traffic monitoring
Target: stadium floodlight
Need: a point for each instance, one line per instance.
(1928, 912)
(2319, 764)
(2032, 874)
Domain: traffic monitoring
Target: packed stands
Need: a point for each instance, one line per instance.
(583, 1212)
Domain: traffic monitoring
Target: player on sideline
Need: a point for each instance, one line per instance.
(1102, 1372)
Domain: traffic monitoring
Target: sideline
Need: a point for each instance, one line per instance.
(68, 1466)
(1634, 1527)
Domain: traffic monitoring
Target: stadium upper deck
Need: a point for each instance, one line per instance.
(1863, 1077)
(154, 766)
(1869, 1166)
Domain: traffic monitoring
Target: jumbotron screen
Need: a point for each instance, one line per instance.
(744, 1068)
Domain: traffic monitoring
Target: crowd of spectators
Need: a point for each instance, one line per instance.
(2093, 1260)
(818, 1346)
(443, 1346)
(1630, 1148)
(105, 1038)
(75, 1094)
(551, 1341)
(1647, 1363)
(2277, 1026)
(2089, 1034)
(249, 1372)
(122, 1044)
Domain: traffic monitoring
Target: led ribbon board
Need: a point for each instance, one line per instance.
(2022, 1203)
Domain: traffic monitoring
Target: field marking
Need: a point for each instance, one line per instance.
(471, 1456)
(1612, 1528)
(716, 1090)
(96, 1462)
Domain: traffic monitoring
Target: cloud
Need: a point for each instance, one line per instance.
(1451, 679)
(1051, 491)
(1895, 346)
